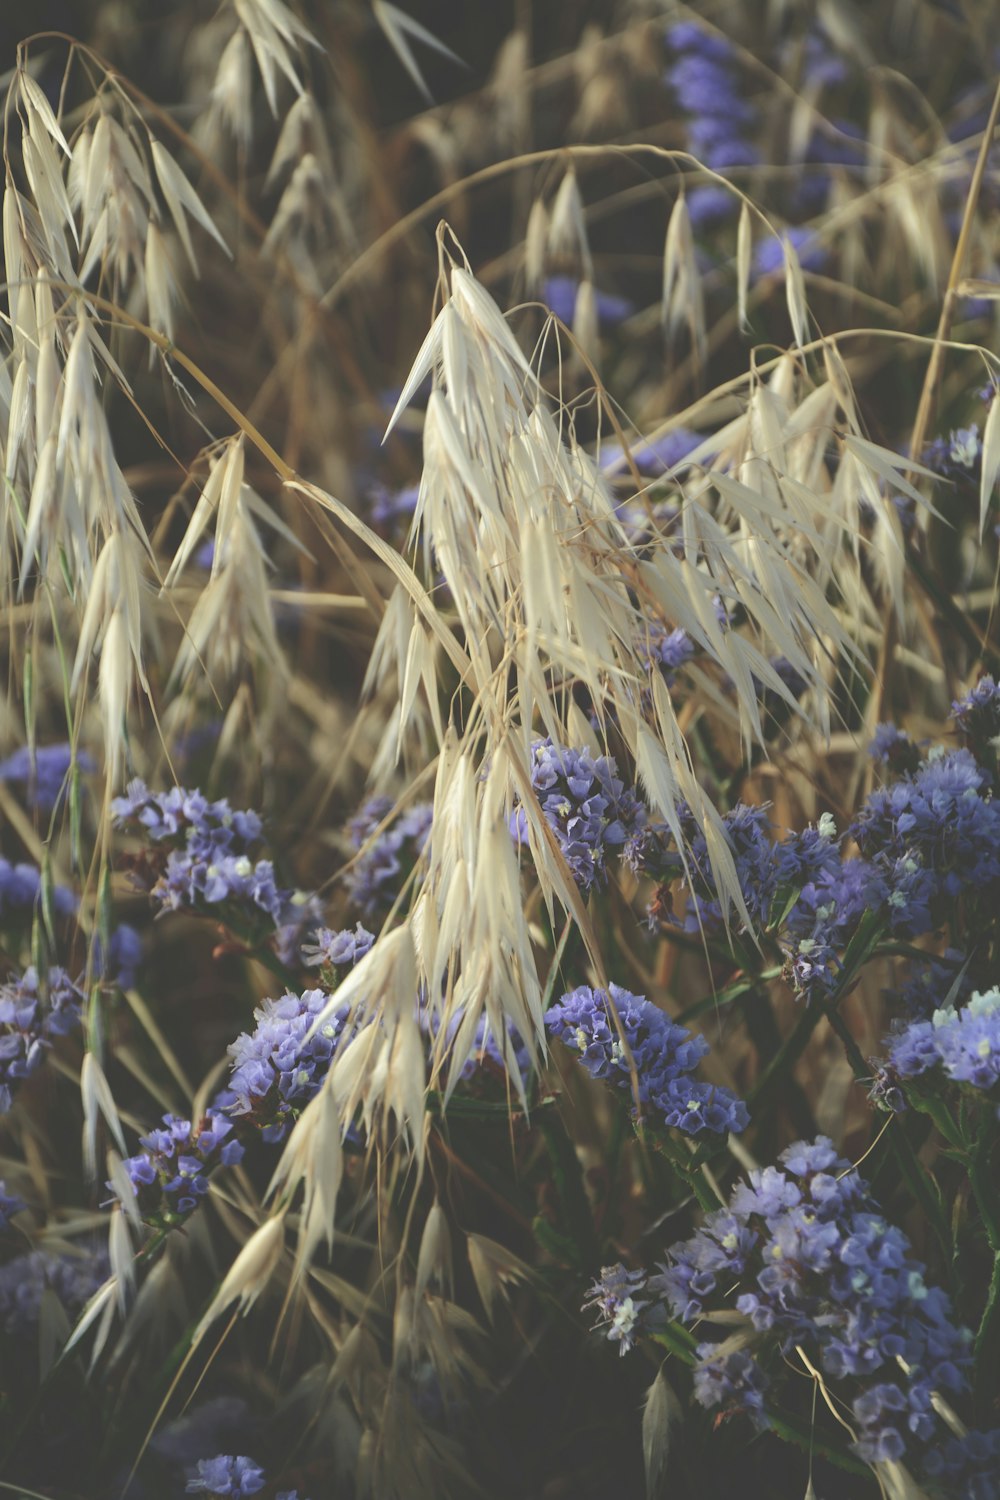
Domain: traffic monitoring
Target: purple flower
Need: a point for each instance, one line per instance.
(279, 1066)
(804, 1255)
(963, 1043)
(32, 1015)
(170, 1174)
(587, 806)
(664, 1055)
(21, 890)
(44, 775)
(73, 1276)
(385, 860)
(337, 950)
(617, 1296)
(227, 1475)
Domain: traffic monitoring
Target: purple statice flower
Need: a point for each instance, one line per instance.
(664, 1054)
(21, 893)
(957, 456)
(73, 1275)
(186, 819)
(804, 1255)
(32, 1015)
(227, 1475)
(933, 835)
(747, 830)
(826, 914)
(386, 859)
(968, 1466)
(170, 1174)
(279, 1066)
(705, 80)
(337, 950)
(978, 719)
(44, 774)
(10, 1204)
(668, 650)
(893, 748)
(559, 294)
(653, 458)
(769, 255)
(587, 806)
(623, 1309)
(963, 1043)
(203, 861)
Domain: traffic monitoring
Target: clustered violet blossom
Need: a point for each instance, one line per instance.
(625, 1307)
(705, 81)
(281, 1064)
(231, 1475)
(44, 773)
(202, 860)
(73, 1275)
(21, 893)
(664, 1054)
(587, 806)
(804, 1256)
(170, 1174)
(963, 1043)
(385, 859)
(32, 1016)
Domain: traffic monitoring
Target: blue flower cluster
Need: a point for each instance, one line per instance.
(968, 1466)
(932, 835)
(170, 1174)
(957, 456)
(386, 859)
(205, 862)
(978, 719)
(747, 831)
(330, 950)
(227, 1474)
(44, 774)
(21, 892)
(231, 1475)
(665, 1056)
(814, 1265)
(280, 1066)
(32, 1015)
(73, 1275)
(587, 806)
(625, 1306)
(964, 1043)
(669, 650)
(705, 81)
